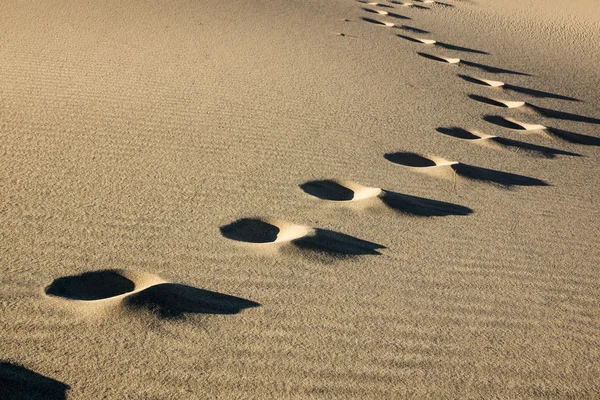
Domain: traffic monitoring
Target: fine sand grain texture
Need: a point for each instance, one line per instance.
(299, 199)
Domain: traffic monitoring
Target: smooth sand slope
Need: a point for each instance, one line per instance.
(310, 199)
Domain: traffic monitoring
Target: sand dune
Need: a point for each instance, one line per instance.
(145, 147)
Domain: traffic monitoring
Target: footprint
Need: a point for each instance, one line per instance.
(386, 13)
(18, 382)
(487, 68)
(440, 59)
(545, 112)
(375, 4)
(441, 44)
(128, 290)
(440, 167)
(514, 88)
(567, 136)
(408, 4)
(376, 22)
(334, 190)
(434, 3)
(270, 231)
(503, 143)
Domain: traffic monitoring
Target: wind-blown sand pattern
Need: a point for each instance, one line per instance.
(146, 145)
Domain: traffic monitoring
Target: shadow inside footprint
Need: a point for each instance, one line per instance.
(487, 100)
(328, 190)
(409, 159)
(17, 382)
(94, 285)
(172, 300)
(422, 207)
(458, 133)
(250, 230)
(337, 244)
(505, 179)
(373, 21)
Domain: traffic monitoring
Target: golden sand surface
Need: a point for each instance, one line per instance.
(299, 199)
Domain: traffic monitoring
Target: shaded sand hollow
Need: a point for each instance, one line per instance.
(292, 200)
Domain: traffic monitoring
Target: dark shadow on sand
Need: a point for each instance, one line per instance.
(389, 14)
(503, 122)
(334, 243)
(173, 300)
(487, 100)
(567, 136)
(444, 45)
(422, 207)
(545, 112)
(533, 149)
(411, 29)
(491, 69)
(20, 383)
(573, 137)
(555, 114)
(522, 90)
(505, 179)
(337, 244)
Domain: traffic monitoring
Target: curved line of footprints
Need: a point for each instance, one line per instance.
(133, 290)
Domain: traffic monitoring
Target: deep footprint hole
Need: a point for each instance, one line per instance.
(95, 285)
(250, 230)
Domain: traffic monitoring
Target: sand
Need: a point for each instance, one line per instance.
(291, 200)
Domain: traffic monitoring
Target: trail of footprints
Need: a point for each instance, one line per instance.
(130, 290)
(107, 291)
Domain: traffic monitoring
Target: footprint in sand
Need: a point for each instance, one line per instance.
(408, 4)
(483, 67)
(106, 291)
(567, 136)
(435, 3)
(432, 42)
(442, 168)
(18, 382)
(375, 4)
(344, 191)
(386, 13)
(504, 143)
(518, 89)
(392, 25)
(545, 112)
(261, 232)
